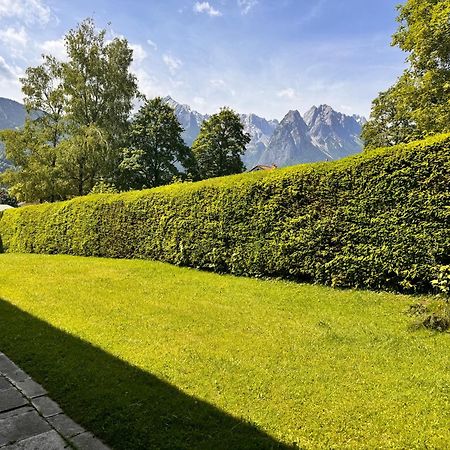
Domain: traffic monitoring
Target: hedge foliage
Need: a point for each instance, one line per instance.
(377, 220)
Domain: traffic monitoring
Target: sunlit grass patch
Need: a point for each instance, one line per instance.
(235, 362)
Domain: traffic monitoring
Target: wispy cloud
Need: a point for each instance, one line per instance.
(139, 54)
(267, 73)
(8, 71)
(205, 7)
(199, 101)
(217, 83)
(172, 63)
(15, 39)
(28, 11)
(246, 5)
(313, 13)
(287, 93)
(55, 48)
(149, 84)
(152, 44)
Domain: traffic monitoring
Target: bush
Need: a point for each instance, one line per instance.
(442, 282)
(7, 199)
(433, 314)
(103, 187)
(377, 220)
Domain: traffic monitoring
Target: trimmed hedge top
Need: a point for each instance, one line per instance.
(376, 220)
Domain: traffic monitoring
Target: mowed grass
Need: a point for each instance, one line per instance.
(147, 355)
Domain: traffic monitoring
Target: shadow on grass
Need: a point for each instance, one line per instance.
(123, 405)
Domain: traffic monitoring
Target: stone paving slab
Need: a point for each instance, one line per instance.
(4, 384)
(16, 428)
(7, 367)
(30, 388)
(17, 375)
(46, 406)
(16, 412)
(48, 441)
(87, 441)
(65, 425)
(10, 399)
(31, 420)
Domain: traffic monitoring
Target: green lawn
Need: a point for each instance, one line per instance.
(147, 355)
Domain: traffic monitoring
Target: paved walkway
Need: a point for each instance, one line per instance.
(30, 420)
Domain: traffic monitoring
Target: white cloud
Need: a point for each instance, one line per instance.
(172, 63)
(139, 54)
(8, 71)
(246, 5)
(15, 39)
(346, 108)
(205, 7)
(287, 93)
(199, 101)
(28, 11)
(148, 83)
(217, 83)
(9, 80)
(221, 86)
(152, 44)
(55, 48)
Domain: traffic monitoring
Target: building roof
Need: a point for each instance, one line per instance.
(263, 167)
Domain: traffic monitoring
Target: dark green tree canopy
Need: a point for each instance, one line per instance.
(156, 149)
(418, 104)
(220, 145)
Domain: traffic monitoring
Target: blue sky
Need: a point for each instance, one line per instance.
(261, 56)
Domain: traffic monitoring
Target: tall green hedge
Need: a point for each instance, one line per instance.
(377, 220)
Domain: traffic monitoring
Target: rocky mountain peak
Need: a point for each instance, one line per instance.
(292, 116)
(323, 114)
(190, 120)
(294, 119)
(291, 142)
(360, 119)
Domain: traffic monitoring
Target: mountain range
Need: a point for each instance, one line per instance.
(321, 134)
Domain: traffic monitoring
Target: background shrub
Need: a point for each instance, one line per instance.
(7, 199)
(377, 220)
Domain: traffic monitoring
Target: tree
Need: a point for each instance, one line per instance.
(391, 121)
(155, 146)
(33, 150)
(99, 87)
(100, 90)
(37, 172)
(45, 100)
(82, 155)
(417, 105)
(220, 145)
(78, 112)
